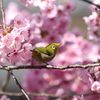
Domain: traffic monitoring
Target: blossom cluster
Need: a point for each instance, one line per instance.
(60, 82)
(26, 31)
(49, 25)
(93, 23)
(40, 3)
(13, 47)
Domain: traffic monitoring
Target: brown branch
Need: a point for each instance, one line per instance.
(8, 68)
(44, 94)
(5, 82)
(3, 14)
(15, 79)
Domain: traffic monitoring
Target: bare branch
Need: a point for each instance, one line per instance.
(15, 79)
(5, 82)
(44, 94)
(3, 14)
(8, 68)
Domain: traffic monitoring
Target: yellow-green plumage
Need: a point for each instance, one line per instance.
(45, 54)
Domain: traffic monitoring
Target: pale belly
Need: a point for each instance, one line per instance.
(44, 58)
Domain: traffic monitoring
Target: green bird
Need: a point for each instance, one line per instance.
(45, 54)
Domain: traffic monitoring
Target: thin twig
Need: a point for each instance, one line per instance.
(44, 94)
(5, 82)
(3, 14)
(90, 2)
(15, 79)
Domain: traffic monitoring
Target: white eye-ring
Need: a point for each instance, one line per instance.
(53, 47)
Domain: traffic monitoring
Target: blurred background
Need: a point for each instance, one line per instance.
(77, 21)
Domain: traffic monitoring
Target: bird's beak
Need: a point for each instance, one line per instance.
(31, 50)
(59, 44)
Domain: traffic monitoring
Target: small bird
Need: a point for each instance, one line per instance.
(45, 54)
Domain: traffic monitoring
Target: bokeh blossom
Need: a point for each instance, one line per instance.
(25, 31)
(40, 3)
(93, 23)
(68, 79)
(4, 97)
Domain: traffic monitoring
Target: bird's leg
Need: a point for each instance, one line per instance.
(32, 62)
(45, 62)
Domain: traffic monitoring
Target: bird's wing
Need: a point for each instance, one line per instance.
(43, 50)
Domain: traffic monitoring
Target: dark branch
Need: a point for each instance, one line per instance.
(91, 3)
(15, 79)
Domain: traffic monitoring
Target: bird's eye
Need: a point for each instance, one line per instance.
(53, 47)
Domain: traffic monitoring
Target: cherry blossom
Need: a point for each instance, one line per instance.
(78, 98)
(4, 97)
(96, 86)
(25, 31)
(41, 3)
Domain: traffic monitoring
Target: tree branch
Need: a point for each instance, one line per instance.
(90, 2)
(3, 14)
(44, 94)
(8, 68)
(15, 79)
(5, 82)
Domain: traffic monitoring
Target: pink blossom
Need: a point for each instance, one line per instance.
(15, 57)
(49, 25)
(53, 38)
(70, 6)
(28, 3)
(41, 3)
(18, 40)
(78, 98)
(50, 12)
(93, 22)
(11, 44)
(25, 52)
(96, 86)
(20, 22)
(12, 7)
(94, 8)
(24, 33)
(84, 75)
(4, 97)
(77, 31)
(63, 24)
(8, 40)
(5, 51)
(41, 25)
(60, 91)
(33, 85)
(37, 20)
